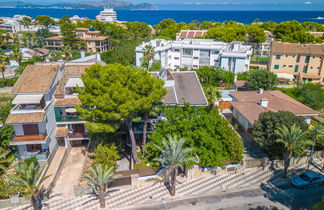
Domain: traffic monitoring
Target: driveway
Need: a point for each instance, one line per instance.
(70, 174)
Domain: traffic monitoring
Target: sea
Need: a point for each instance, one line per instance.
(153, 17)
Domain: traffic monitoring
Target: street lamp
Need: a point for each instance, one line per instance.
(316, 131)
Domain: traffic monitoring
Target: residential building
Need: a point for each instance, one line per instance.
(190, 34)
(248, 105)
(33, 114)
(263, 49)
(302, 61)
(196, 53)
(107, 15)
(182, 87)
(41, 92)
(14, 25)
(94, 42)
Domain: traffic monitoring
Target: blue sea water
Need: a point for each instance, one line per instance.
(154, 17)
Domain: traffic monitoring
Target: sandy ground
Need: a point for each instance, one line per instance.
(70, 175)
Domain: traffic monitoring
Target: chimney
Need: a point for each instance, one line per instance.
(264, 102)
(98, 56)
(260, 91)
(82, 54)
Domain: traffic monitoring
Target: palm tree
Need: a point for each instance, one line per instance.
(5, 159)
(173, 157)
(18, 56)
(100, 177)
(3, 63)
(148, 54)
(292, 139)
(28, 177)
(67, 52)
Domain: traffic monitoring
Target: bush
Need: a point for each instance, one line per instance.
(264, 130)
(8, 188)
(262, 79)
(210, 135)
(7, 82)
(106, 155)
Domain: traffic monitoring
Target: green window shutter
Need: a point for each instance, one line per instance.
(310, 80)
(58, 114)
(276, 66)
(296, 68)
(307, 59)
(305, 69)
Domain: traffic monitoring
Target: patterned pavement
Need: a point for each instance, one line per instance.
(135, 196)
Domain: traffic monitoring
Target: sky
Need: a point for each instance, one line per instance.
(219, 2)
(214, 4)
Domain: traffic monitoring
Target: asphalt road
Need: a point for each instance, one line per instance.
(283, 196)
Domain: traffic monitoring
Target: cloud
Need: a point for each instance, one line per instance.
(307, 2)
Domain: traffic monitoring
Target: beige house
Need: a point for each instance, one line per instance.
(94, 42)
(303, 62)
(248, 105)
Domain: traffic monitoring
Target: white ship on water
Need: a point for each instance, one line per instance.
(107, 15)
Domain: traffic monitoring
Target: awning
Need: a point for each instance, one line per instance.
(285, 76)
(70, 110)
(74, 82)
(27, 99)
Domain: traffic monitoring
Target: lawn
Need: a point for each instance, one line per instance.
(144, 163)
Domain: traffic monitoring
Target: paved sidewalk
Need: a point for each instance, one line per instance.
(132, 197)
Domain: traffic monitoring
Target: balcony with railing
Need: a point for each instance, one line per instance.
(40, 155)
(66, 114)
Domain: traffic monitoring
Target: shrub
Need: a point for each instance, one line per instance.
(7, 82)
(106, 155)
(264, 130)
(210, 135)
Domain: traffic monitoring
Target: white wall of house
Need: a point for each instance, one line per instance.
(19, 131)
(204, 52)
(241, 119)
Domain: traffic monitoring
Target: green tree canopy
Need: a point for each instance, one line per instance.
(256, 33)
(264, 130)
(44, 20)
(115, 94)
(228, 32)
(214, 76)
(310, 94)
(106, 154)
(262, 79)
(211, 136)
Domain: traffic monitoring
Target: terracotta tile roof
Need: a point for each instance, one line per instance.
(81, 29)
(191, 33)
(55, 38)
(67, 102)
(69, 71)
(241, 83)
(26, 118)
(61, 131)
(36, 79)
(248, 104)
(294, 48)
(42, 51)
(97, 38)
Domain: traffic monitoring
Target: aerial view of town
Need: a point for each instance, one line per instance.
(161, 105)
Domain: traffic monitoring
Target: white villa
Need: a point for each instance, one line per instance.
(196, 53)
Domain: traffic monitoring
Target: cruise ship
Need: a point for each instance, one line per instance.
(107, 15)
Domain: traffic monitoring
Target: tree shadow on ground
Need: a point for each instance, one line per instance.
(280, 190)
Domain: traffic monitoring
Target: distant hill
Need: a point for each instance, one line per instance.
(117, 5)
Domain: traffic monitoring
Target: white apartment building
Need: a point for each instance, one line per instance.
(13, 25)
(107, 15)
(44, 117)
(196, 53)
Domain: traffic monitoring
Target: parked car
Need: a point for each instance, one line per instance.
(308, 179)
